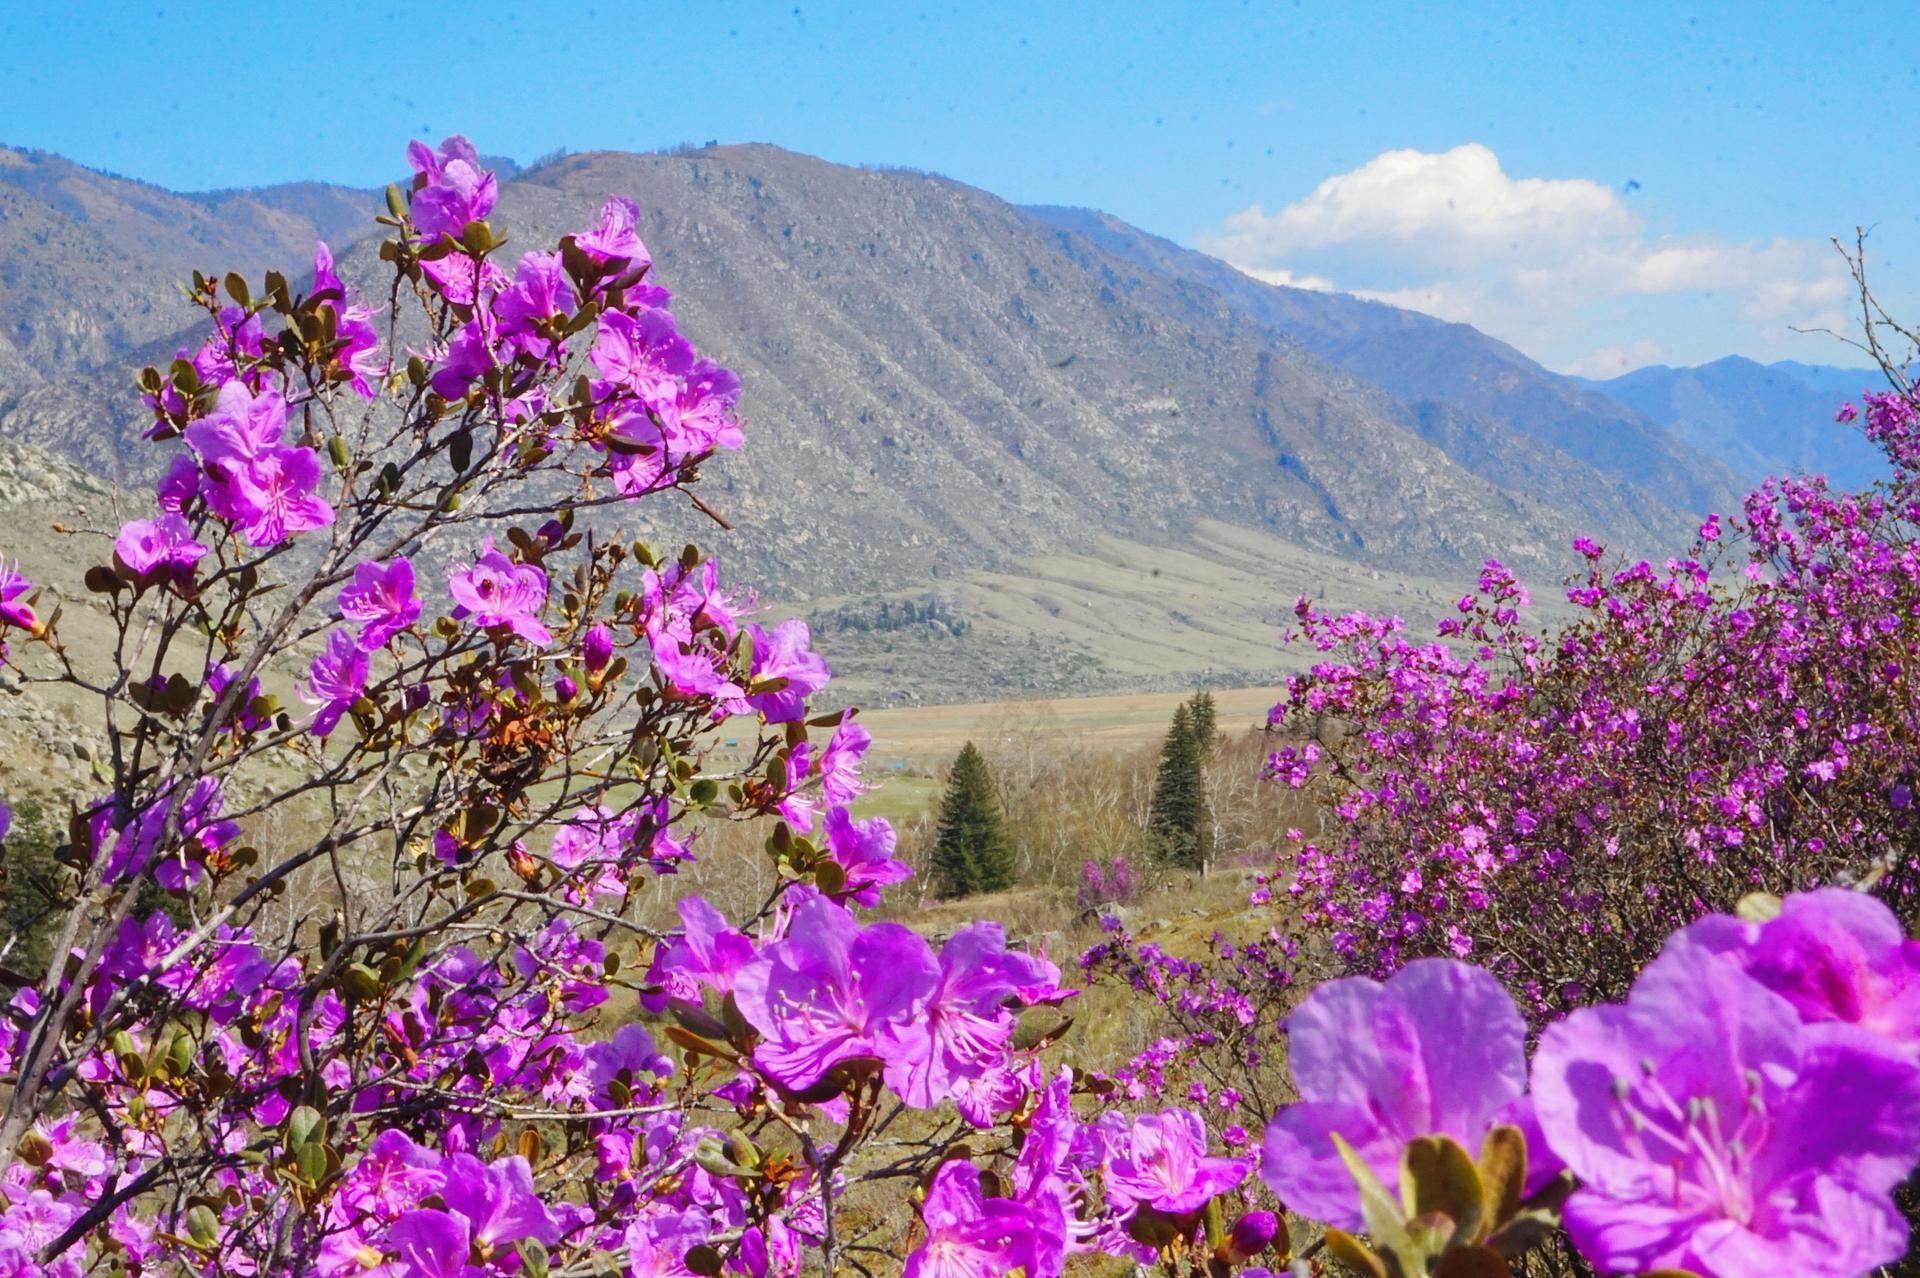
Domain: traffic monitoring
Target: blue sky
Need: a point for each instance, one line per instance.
(1652, 182)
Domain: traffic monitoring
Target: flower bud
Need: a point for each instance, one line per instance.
(1250, 1235)
(597, 648)
(565, 689)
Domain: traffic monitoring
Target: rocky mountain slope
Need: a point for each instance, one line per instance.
(941, 388)
(1454, 368)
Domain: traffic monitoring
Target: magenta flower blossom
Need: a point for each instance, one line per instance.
(1711, 1133)
(1163, 1162)
(964, 1029)
(657, 1243)
(614, 238)
(451, 189)
(335, 680)
(381, 599)
(196, 826)
(627, 1055)
(864, 849)
(785, 654)
(272, 498)
(970, 1235)
(492, 1205)
(1438, 1050)
(1838, 956)
(219, 679)
(359, 355)
(708, 952)
(243, 427)
(175, 490)
(158, 547)
(12, 586)
(540, 294)
(840, 763)
(251, 479)
(829, 992)
(498, 592)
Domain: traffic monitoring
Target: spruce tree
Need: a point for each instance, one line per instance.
(1177, 820)
(971, 853)
(1206, 721)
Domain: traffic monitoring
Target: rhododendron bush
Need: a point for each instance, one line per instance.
(1743, 717)
(424, 1030)
(432, 1027)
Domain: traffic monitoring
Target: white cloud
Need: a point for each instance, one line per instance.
(1612, 361)
(1436, 207)
(1529, 260)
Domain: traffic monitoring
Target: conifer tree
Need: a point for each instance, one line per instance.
(1177, 819)
(1206, 721)
(971, 853)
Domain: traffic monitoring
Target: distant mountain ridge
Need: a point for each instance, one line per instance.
(1760, 419)
(938, 383)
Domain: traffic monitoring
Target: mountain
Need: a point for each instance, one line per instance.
(1760, 419)
(1426, 361)
(947, 392)
(88, 261)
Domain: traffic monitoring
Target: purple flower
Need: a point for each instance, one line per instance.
(830, 990)
(498, 592)
(451, 188)
(1712, 1134)
(1838, 956)
(965, 1028)
(708, 952)
(540, 294)
(252, 480)
(158, 547)
(242, 427)
(615, 237)
(840, 763)
(1163, 1163)
(626, 1056)
(359, 353)
(1437, 1050)
(864, 849)
(176, 489)
(1252, 1234)
(381, 600)
(12, 586)
(970, 1235)
(335, 680)
(785, 654)
(219, 679)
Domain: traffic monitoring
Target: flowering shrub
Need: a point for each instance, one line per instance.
(1738, 718)
(1112, 882)
(389, 1043)
(401, 1041)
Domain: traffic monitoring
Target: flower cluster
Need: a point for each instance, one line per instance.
(1689, 1128)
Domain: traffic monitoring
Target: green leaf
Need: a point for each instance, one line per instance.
(305, 1125)
(1437, 1178)
(1503, 1170)
(1354, 1254)
(1385, 1224)
(203, 1227)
